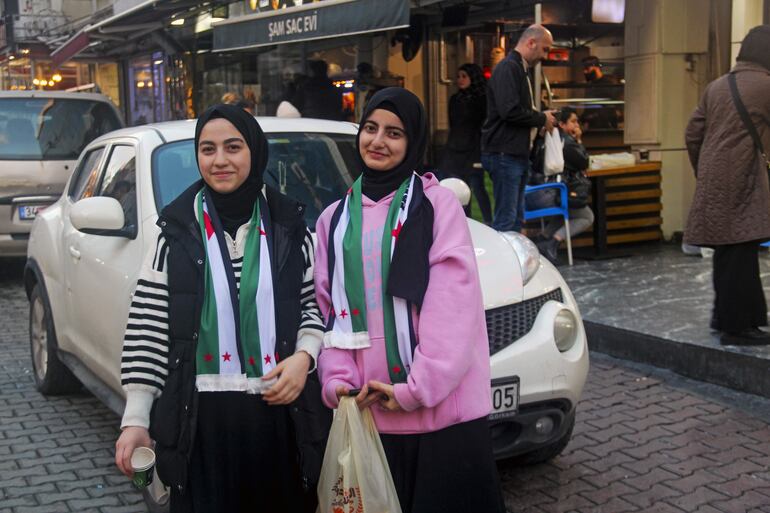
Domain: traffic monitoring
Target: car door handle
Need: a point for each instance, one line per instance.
(75, 253)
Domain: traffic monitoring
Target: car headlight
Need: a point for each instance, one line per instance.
(565, 328)
(526, 252)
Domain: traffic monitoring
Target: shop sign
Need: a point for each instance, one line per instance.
(318, 20)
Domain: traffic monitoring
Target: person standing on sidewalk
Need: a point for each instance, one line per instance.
(731, 208)
(467, 111)
(397, 280)
(222, 336)
(511, 125)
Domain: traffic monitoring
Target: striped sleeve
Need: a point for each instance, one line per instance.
(144, 361)
(311, 328)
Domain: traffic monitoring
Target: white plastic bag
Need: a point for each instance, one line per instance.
(554, 153)
(355, 477)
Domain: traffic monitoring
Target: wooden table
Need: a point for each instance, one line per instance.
(638, 193)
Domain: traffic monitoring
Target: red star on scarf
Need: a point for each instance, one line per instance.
(343, 313)
(267, 359)
(208, 225)
(226, 357)
(207, 357)
(397, 231)
(396, 369)
(252, 361)
(355, 311)
(261, 231)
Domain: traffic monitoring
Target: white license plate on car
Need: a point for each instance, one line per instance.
(505, 397)
(29, 212)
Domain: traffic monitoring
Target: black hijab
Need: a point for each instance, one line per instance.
(377, 184)
(234, 209)
(756, 46)
(478, 87)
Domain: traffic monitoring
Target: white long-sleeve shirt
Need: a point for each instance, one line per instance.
(144, 362)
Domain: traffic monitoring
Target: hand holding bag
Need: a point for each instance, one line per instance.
(355, 477)
(554, 153)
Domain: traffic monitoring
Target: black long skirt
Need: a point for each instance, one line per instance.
(447, 471)
(739, 300)
(244, 459)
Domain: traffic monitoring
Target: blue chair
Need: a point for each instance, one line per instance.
(562, 210)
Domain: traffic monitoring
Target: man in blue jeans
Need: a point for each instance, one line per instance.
(511, 125)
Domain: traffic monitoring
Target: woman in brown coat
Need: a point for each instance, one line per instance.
(731, 208)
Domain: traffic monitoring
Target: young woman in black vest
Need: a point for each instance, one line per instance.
(223, 333)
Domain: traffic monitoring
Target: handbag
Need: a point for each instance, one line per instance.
(578, 189)
(744, 114)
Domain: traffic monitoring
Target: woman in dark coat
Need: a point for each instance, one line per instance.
(731, 208)
(467, 110)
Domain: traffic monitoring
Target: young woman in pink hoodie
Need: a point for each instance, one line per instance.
(396, 279)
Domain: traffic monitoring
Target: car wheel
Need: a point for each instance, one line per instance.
(52, 377)
(157, 496)
(549, 451)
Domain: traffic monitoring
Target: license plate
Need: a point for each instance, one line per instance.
(505, 398)
(28, 212)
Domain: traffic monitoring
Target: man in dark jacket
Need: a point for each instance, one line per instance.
(511, 124)
(316, 95)
(731, 208)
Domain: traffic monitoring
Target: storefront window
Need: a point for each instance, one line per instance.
(147, 92)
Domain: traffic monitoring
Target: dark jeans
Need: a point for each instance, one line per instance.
(475, 181)
(739, 300)
(509, 177)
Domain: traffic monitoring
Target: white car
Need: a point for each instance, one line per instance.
(86, 249)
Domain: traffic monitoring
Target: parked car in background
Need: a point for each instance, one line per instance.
(85, 252)
(41, 136)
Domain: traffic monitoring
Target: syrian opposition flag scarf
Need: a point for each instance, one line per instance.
(236, 342)
(347, 326)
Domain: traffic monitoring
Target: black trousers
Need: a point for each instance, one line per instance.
(739, 300)
(447, 471)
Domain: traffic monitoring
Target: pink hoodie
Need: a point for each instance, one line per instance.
(449, 380)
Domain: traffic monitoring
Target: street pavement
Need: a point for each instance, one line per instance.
(646, 440)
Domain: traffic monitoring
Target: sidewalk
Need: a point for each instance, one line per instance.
(654, 307)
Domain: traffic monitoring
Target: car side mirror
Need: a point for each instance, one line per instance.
(459, 188)
(101, 215)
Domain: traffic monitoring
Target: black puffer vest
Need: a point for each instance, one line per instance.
(174, 413)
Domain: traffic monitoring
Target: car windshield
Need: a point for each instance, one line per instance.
(51, 128)
(313, 168)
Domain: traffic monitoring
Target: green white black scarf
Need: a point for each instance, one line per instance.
(236, 347)
(347, 327)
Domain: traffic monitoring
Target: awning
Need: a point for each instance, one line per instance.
(130, 25)
(319, 20)
(70, 48)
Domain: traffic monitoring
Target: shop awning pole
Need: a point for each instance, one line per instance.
(538, 66)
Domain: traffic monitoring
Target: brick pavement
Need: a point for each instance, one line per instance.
(57, 453)
(644, 441)
(650, 441)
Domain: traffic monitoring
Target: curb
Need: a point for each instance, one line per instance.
(719, 366)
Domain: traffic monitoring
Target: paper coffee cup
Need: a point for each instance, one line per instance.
(143, 464)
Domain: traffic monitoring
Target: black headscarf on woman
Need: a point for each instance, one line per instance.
(409, 267)
(377, 184)
(234, 209)
(478, 87)
(756, 46)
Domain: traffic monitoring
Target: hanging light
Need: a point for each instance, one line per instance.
(36, 81)
(140, 84)
(56, 77)
(149, 84)
(51, 83)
